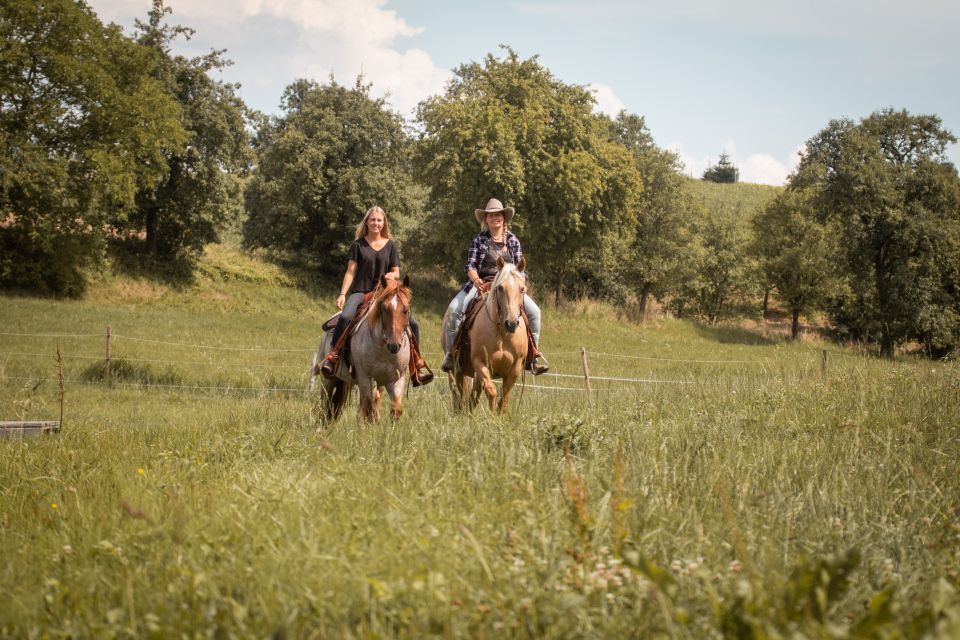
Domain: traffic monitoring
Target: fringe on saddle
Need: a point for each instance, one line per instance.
(460, 349)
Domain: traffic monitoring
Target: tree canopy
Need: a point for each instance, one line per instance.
(506, 128)
(895, 199)
(333, 153)
(83, 127)
(724, 171)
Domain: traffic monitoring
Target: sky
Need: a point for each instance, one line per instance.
(752, 78)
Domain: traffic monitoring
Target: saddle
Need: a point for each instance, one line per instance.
(344, 370)
(460, 349)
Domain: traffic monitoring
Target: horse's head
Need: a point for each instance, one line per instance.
(391, 311)
(507, 290)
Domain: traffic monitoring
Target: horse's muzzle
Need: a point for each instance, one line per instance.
(510, 325)
(393, 347)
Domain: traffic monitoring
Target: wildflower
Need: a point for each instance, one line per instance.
(54, 505)
(736, 566)
(142, 471)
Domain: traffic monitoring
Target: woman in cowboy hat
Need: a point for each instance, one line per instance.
(494, 241)
(373, 254)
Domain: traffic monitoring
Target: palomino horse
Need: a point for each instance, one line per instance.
(379, 353)
(498, 342)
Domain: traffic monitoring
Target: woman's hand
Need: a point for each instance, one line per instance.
(340, 300)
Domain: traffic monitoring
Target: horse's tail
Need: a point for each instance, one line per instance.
(338, 400)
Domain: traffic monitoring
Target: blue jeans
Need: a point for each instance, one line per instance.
(458, 306)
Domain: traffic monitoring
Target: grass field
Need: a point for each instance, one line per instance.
(731, 487)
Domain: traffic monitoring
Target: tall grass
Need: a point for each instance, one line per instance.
(738, 491)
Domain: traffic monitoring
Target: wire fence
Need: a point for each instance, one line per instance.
(529, 382)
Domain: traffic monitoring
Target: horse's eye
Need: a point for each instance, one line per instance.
(500, 287)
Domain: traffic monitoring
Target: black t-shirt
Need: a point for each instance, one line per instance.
(371, 264)
(488, 268)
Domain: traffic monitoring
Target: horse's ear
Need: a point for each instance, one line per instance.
(406, 281)
(523, 264)
(383, 281)
(499, 263)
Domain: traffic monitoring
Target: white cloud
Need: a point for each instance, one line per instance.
(274, 42)
(607, 100)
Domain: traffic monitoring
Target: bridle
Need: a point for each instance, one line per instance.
(496, 296)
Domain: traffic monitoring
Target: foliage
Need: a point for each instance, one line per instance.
(724, 171)
(659, 243)
(798, 254)
(83, 127)
(201, 191)
(507, 128)
(895, 199)
(331, 155)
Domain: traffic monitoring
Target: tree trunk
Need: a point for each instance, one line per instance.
(644, 300)
(558, 288)
(886, 344)
(766, 303)
(795, 325)
(151, 223)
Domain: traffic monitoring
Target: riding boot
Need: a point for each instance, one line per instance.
(447, 364)
(539, 364)
(420, 373)
(329, 365)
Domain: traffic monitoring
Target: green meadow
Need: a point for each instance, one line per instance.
(717, 481)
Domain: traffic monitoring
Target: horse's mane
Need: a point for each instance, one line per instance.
(392, 287)
(508, 269)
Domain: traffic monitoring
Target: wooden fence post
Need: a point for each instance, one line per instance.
(106, 362)
(586, 371)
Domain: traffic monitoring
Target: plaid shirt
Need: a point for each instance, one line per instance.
(478, 251)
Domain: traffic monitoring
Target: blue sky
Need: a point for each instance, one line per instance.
(755, 79)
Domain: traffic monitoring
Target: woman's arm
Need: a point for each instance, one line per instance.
(347, 281)
(475, 256)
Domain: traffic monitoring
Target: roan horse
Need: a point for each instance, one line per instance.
(498, 342)
(379, 354)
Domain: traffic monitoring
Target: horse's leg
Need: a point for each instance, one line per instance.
(365, 384)
(484, 382)
(396, 397)
(377, 392)
(508, 381)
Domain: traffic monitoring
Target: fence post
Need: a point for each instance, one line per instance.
(586, 371)
(313, 372)
(106, 362)
(823, 363)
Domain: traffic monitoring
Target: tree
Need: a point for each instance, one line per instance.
(82, 129)
(894, 197)
(724, 171)
(508, 129)
(659, 239)
(797, 253)
(332, 154)
(202, 189)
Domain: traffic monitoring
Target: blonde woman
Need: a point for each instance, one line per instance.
(372, 255)
(494, 241)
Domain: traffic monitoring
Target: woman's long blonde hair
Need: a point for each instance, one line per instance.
(362, 227)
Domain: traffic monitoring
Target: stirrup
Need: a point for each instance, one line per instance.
(423, 375)
(537, 367)
(329, 365)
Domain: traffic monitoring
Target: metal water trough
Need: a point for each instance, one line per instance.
(28, 428)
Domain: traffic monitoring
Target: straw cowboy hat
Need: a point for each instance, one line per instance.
(493, 206)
